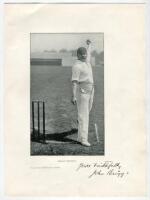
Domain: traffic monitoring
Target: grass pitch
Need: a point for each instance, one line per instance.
(52, 84)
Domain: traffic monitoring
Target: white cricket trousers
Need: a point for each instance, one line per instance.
(84, 106)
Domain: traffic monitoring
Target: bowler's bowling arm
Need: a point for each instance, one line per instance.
(89, 52)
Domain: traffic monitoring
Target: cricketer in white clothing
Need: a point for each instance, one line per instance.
(83, 91)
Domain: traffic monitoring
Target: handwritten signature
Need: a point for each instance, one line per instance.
(106, 168)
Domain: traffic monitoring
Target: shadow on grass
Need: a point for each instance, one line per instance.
(61, 137)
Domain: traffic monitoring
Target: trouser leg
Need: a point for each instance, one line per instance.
(91, 100)
(83, 116)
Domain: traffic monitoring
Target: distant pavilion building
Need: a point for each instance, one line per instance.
(64, 59)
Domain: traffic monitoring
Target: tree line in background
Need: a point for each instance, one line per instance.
(99, 57)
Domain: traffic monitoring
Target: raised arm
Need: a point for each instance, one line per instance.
(88, 42)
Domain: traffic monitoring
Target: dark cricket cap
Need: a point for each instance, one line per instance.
(81, 50)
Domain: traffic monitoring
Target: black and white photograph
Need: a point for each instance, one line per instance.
(67, 93)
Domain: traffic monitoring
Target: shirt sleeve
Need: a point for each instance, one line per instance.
(75, 73)
(89, 53)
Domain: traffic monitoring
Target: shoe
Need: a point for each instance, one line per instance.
(87, 144)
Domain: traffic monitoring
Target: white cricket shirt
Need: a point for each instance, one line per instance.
(82, 72)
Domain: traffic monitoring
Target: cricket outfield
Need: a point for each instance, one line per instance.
(52, 84)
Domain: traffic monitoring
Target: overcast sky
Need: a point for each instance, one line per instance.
(42, 41)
